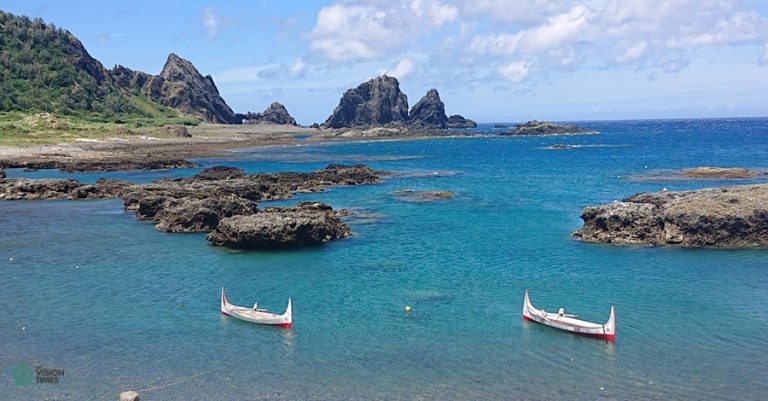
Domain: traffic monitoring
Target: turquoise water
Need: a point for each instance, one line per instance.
(140, 310)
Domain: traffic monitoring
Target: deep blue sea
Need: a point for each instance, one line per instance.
(120, 306)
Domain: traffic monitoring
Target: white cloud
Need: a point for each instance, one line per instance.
(568, 35)
(363, 30)
(211, 22)
(516, 71)
(552, 34)
(401, 70)
(633, 53)
(297, 68)
(517, 11)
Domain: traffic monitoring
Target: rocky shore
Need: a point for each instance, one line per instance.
(221, 200)
(730, 217)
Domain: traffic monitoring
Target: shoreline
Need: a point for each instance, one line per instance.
(208, 141)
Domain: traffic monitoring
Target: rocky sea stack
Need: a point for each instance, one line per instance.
(429, 112)
(276, 113)
(731, 217)
(457, 121)
(380, 103)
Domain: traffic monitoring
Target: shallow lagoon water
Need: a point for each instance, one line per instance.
(119, 305)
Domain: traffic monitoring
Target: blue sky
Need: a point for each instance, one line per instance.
(502, 60)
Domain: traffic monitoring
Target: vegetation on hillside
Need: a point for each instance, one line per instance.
(45, 69)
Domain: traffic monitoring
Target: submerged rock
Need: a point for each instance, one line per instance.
(457, 121)
(731, 217)
(378, 101)
(429, 112)
(277, 228)
(546, 128)
(410, 195)
(276, 113)
(716, 173)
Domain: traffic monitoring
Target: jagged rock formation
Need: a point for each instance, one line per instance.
(378, 101)
(180, 86)
(724, 217)
(457, 121)
(276, 113)
(546, 128)
(429, 112)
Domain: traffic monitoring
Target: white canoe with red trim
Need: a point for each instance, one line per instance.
(259, 316)
(565, 322)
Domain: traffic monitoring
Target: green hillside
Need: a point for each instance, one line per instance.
(46, 69)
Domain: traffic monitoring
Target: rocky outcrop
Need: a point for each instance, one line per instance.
(201, 215)
(203, 202)
(180, 86)
(219, 173)
(38, 189)
(378, 101)
(275, 228)
(276, 113)
(722, 217)
(457, 121)
(546, 128)
(429, 112)
(178, 131)
(2, 174)
(97, 164)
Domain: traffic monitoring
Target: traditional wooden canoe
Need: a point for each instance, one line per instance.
(562, 321)
(255, 315)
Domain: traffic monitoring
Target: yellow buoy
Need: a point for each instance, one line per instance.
(407, 308)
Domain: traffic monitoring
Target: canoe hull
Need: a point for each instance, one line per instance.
(257, 316)
(605, 331)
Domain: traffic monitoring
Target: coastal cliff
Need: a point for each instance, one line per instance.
(731, 217)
